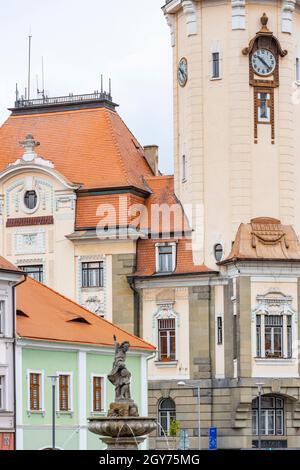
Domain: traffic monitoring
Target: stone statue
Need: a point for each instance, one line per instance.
(120, 377)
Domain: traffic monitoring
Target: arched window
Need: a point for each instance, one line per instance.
(30, 199)
(218, 252)
(166, 413)
(271, 416)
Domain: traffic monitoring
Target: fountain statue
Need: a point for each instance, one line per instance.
(122, 428)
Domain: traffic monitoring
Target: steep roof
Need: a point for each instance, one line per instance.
(7, 266)
(53, 317)
(265, 238)
(90, 146)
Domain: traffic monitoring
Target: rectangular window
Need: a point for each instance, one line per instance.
(2, 392)
(289, 336)
(98, 404)
(298, 69)
(165, 259)
(2, 316)
(92, 274)
(220, 330)
(234, 333)
(258, 336)
(184, 173)
(166, 339)
(34, 271)
(35, 391)
(216, 65)
(64, 393)
(274, 336)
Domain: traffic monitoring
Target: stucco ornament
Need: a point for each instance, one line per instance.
(30, 156)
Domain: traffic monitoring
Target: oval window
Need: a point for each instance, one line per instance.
(30, 199)
(218, 252)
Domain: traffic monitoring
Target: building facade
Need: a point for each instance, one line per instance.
(10, 276)
(68, 344)
(236, 112)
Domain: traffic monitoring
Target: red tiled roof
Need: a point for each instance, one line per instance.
(88, 146)
(52, 317)
(146, 258)
(7, 266)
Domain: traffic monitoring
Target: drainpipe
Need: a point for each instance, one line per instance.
(14, 312)
(136, 306)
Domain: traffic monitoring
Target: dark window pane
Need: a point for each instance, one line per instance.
(30, 199)
(36, 271)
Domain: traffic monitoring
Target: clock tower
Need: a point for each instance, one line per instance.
(236, 116)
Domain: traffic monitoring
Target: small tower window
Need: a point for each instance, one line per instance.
(184, 172)
(30, 200)
(215, 65)
(297, 69)
(218, 252)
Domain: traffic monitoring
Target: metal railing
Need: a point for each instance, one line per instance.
(96, 96)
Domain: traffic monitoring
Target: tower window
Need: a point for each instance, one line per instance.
(35, 271)
(220, 330)
(215, 65)
(298, 69)
(30, 200)
(184, 172)
(264, 114)
(218, 252)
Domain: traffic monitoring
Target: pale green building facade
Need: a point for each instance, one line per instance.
(81, 364)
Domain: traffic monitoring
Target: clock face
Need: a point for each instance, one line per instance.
(263, 62)
(182, 72)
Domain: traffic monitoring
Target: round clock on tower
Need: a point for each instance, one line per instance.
(236, 143)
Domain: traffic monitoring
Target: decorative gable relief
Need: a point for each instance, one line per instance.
(274, 302)
(165, 310)
(30, 241)
(238, 14)
(30, 156)
(288, 8)
(15, 195)
(190, 11)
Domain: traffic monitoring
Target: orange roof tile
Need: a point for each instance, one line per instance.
(265, 238)
(7, 266)
(50, 316)
(88, 146)
(146, 259)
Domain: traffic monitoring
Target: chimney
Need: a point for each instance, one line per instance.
(151, 155)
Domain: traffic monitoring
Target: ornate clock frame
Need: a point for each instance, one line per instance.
(264, 39)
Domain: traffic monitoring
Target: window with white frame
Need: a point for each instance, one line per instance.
(2, 317)
(167, 339)
(274, 336)
(166, 258)
(166, 414)
(64, 392)
(92, 274)
(215, 61)
(2, 392)
(264, 110)
(271, 416)
(98, 405)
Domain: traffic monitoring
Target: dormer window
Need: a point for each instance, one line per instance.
(166, 258)
(30, 200)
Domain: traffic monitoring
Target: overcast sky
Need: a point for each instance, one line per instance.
(127, 40)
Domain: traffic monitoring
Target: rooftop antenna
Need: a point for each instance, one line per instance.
(42, 91)
(101, 84)
(17, 93)
(29, 64)
(110, 87)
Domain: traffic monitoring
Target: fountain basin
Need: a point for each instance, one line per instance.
(122, 432)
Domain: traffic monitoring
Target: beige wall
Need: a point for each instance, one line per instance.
(231, 176)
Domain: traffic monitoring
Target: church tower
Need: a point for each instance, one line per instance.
(236, 116)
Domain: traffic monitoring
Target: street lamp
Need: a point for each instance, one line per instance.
(195, 387)
(259, 388)
(53, 380)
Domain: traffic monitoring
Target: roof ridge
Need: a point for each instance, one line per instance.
(30, 279)
(108, 119)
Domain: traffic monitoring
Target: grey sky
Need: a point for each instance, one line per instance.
(128, 41)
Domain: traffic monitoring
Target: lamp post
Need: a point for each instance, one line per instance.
(259, 388)
(53, 381)
(195, 387)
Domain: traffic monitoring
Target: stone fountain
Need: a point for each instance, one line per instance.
(122, 428)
